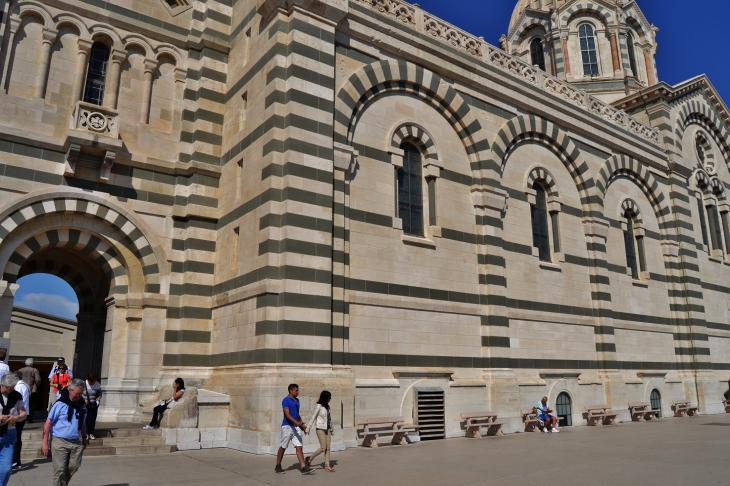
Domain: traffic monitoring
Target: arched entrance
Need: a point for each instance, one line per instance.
(102, 250)
(564, 410)
(655, 398)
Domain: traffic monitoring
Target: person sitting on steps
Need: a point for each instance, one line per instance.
(178, 387)
(542, 409)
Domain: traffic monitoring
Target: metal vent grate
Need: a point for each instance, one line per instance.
(430, 413)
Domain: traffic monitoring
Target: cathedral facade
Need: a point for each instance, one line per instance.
(355, 195)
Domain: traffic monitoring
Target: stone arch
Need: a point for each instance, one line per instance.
(134, 40)
(696, 112)
(29, 7)
(542, 175)
(412, 132)
(101, 253)
(527, 30)
(639, 29)
(532, 128)
(604, 15)
(72, 20)
(122, 229)
(630, 206)
(169, 50)
(98, 32)
(388, 76)
(636, 171)
(709, 155)
(77, 278)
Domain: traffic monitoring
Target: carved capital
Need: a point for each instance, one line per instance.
(14, 25)
(49, 35)
(84, 46)
(180, 75)
(106, 166)
(150, 65)
(72, 155)
(333, 10)
(118, 56)
(8, 289)
(345, 158)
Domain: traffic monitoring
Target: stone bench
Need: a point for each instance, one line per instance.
(475, 421)
(394, 426)
(685, 409)
(641, 412)
(726, 404)
(532, 422)
(600, 415)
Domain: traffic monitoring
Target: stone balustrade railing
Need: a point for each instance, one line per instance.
(96, 119)
(424, 22)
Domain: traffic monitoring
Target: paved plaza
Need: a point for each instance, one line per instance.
(668, 452)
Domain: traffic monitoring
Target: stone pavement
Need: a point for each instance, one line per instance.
(665, 453)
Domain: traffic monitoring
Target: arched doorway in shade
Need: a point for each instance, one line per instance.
(564, 410)
(655, 398)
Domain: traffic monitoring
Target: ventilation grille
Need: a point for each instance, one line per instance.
(430, 413)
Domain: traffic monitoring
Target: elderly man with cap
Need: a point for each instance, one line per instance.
(67, 424)
(32, 378)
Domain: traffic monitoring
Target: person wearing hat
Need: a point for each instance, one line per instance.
(59, 381)
(55, 368)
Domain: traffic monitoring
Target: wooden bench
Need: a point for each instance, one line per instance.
(476, 420)
(641, 412)
(685, 409)
(531, 421)
(600, 415)
(397, 429)
(726, 404)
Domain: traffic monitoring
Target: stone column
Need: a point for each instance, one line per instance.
(149, 69)
(14, 26)
(566, 54)
(111, 89)
(7, 297)
(649, 67)
(615, 54)
(82, 64)
(41, 74)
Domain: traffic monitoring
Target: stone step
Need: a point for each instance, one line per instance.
(37, 434)
(30, 454)
(109, 442)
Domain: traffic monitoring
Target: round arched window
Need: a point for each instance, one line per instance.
(588, 52)
(564, 410)
(656, 401)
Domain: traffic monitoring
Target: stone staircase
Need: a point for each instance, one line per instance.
(110, 441)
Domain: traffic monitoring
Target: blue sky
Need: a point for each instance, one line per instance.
(47, 293)
(691, 35)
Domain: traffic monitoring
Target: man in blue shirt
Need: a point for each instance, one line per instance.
(67, 424)
(291, 430)
(543, 411)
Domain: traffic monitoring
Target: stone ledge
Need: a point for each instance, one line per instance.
(267, 286)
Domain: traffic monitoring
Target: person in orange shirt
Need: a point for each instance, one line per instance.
(59, 381)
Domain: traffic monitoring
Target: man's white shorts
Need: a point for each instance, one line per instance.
(291, 435)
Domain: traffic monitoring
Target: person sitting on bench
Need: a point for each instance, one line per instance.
(727, 393)
(543, 412)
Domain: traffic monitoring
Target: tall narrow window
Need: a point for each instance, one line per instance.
(242, 115)
(715, 231)
(410, 191)
(431, 181)
(726, 231)
(588, 50)
(247, 47)
(556, 231)
(540, 232)
(239, 174)
(234, 257)
(700, 151)
(632, 54)
(537, 53)
(631, 262)
(703, 226)
(96, 74)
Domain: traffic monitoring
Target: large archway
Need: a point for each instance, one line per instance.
(104, 252)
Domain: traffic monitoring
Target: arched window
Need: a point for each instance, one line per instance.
(700, 151)
(656, 401)
(410, 191)
(632, 54)
(564, 410)
(537, 53)
(540, 231)
(634, 245)
(96, 74)
(588, 50)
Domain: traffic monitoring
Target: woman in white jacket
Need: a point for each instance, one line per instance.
(322, 420)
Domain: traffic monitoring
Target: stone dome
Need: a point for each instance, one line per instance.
(539, 5)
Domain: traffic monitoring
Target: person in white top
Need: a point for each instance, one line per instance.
(322, 420)
(178, 389)
(13, 413)
(24, 390)
(4, 368)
